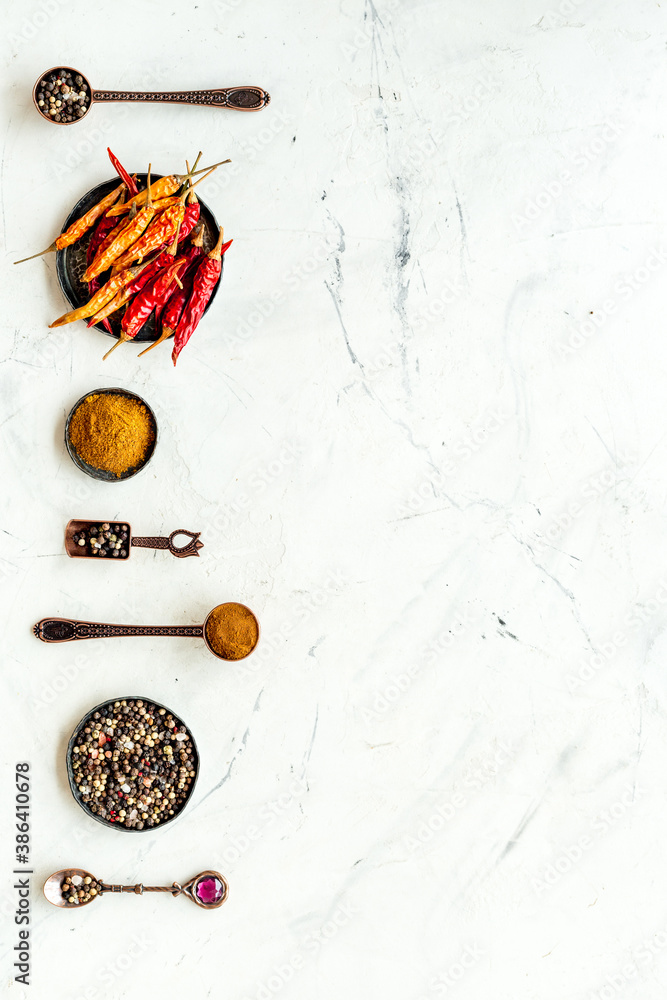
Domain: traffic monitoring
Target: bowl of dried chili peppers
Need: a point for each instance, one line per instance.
(141, 260)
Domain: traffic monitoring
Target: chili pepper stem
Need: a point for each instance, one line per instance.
(203, 169)
(149, 199)
(40, 254)
(215, 253)
(164, 335)
(123, 339)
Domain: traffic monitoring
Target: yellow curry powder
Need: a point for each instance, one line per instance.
(232, 631)
(111, 432)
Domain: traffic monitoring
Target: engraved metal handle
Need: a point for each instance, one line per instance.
(70, 629)
(233, 98)
(190, 548)
(140, 889)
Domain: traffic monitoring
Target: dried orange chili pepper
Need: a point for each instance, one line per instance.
(81, 226)
(129, 235)
(162, 229)
(162, 188)
(105, 294)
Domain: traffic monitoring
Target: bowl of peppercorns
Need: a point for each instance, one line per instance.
(132, 764)
(62, 95)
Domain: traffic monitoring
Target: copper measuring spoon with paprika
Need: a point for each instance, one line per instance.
(230, 631)
(233, 98)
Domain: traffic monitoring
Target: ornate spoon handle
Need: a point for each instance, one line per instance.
(68, 629)
(191, 548)
(234, 98)
(140, 889)
(209, 889)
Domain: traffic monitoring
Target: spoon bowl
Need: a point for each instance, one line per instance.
(246, 98)
(53, 887)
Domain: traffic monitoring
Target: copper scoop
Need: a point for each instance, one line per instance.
(233, 98)
(70, 887)
(92, 539)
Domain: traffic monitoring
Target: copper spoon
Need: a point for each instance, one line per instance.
(76, 550)
(209, 889)
(234, 98)
(69, 629)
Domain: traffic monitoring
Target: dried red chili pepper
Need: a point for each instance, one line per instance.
(81, 226)
(205, 280)
(130, 183)
(101, 233)
(172, 305)
(143, 304)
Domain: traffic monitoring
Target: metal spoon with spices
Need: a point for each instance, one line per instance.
(95, 539)
(231, 630)
(74, 887)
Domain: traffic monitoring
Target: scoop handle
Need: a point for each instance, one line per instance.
(71, 629)
(191, 548)
(232, 98)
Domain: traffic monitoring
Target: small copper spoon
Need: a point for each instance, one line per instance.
(69, 629)
(209, 889)
(233, 98)
(75, 549)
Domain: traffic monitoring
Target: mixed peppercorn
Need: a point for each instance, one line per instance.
(104, 539)
(133, 764)
(145, 257)
(77, 889)
(63, 96)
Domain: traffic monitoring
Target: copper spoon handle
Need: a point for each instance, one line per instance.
(140, 889)
(68, 629)
(191, 548)
(233, 98)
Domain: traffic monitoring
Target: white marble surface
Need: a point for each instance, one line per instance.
(422, 432)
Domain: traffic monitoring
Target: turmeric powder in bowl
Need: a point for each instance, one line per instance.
(231, 631)
(111, 434)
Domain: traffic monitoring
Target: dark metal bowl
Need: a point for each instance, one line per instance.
(75, 788)
(71, 262)
(101, 474)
